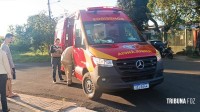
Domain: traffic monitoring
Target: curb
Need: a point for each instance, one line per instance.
(24, 105)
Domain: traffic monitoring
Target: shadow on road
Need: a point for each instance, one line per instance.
(116, 105)
(154, 100)
(181, 65)
(74, 84)
(140, 100)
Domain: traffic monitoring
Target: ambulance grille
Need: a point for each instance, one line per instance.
(129, 71)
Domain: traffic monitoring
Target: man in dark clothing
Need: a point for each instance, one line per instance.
(56, 52)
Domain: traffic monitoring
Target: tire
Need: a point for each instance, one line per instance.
(89, 89)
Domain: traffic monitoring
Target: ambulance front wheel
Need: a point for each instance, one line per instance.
(89, 89)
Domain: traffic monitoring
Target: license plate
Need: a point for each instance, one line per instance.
(138, 86)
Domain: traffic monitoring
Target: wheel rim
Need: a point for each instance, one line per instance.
(89, 87)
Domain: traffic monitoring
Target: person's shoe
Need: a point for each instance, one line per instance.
(61, 80)
(6, 110)
(54, 82)
(69, 83)
(13, 95)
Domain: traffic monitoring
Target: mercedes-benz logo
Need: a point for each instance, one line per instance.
(140, 64)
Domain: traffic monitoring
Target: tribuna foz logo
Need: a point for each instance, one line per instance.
(180, 100)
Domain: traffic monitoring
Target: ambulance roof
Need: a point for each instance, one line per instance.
(103, 14)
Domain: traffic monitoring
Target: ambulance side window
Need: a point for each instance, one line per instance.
(78, 32)
(78, 29)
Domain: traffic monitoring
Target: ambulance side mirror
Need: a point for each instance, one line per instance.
(78, 42)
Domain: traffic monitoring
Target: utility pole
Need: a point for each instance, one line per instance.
(49, 9)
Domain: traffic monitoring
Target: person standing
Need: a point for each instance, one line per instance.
(67, 61)
(56, 52)
(5, 73)
(7, 40)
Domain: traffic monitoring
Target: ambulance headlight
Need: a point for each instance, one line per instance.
(102, 62)
(158, 56)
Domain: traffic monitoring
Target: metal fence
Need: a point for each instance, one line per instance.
(181, 38)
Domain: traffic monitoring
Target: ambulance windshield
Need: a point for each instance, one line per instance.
(106, 32)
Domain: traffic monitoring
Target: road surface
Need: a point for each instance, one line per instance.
(182, 81)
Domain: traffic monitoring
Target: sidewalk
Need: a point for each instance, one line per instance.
(14, 107)
(28, 103)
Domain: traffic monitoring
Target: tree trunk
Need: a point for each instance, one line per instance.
(156, 24)
(149, 16)
(165, 30)
(165, 36)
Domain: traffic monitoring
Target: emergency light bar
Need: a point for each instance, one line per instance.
(95, 9)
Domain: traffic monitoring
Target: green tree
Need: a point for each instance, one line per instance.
(137, 10)
(1, 39)
(11, 29)
(22, 41)
(197, 9)
(174, 12)
(40, 30)
(37, 34)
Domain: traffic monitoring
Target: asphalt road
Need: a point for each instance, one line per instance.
(182, 80)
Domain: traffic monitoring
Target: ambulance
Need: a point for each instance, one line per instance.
(109, 53)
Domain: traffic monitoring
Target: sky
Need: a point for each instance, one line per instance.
(16, 12)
